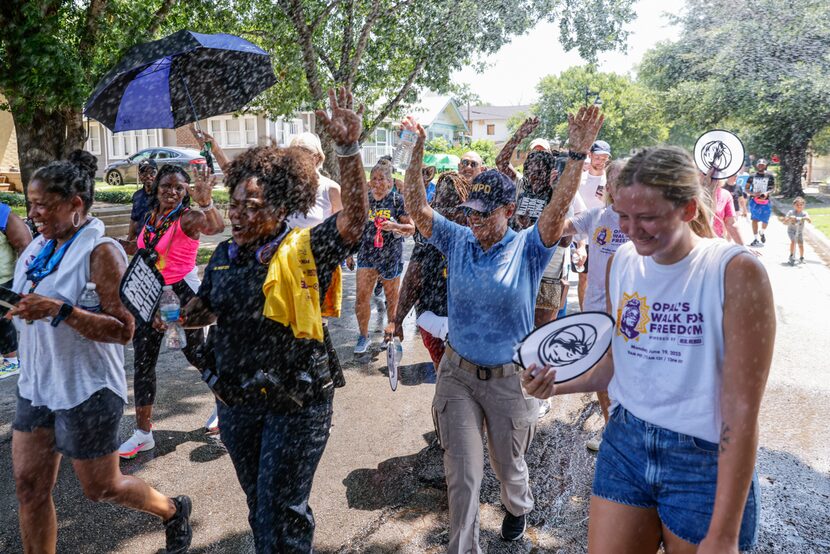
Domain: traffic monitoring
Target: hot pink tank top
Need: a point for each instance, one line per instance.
(177, 253)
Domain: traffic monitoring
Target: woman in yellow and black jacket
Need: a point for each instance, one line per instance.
(265, 289)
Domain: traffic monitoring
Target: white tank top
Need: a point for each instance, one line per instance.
(60, 369)
(320, 211)
(668, 341)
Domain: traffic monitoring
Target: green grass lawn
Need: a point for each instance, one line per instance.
(821, 219)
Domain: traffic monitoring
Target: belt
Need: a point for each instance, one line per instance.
(483, 372)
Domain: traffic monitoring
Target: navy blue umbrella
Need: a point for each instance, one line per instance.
(179, 79)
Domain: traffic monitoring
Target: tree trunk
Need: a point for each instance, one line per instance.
(793, 160)
(44, 136)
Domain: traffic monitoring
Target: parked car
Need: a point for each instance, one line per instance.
(125, 171)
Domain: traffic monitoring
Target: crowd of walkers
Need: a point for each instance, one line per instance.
(679, 389)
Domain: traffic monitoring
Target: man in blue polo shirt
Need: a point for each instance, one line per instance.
(493, 275)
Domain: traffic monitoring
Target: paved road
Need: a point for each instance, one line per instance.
(380, 484)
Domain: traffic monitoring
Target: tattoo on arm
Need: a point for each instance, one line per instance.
(724, 437)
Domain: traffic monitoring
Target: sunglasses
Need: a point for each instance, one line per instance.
(469, 163)
(469, 212)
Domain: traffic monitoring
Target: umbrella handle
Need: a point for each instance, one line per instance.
(206, 151)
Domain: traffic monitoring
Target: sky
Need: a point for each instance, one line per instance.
(516, 69)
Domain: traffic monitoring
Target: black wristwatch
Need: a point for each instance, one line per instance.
(65, 311)
(578, 156)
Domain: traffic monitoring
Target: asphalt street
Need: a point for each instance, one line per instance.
(380, 488)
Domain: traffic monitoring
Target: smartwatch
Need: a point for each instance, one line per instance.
(65, 311)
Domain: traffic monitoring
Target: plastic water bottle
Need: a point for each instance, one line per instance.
(169, 309)
(576, 261)
(395, 348)
(89, 301)
(403, 150)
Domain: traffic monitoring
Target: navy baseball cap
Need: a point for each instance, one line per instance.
(491, 189)
(601, 147)
(147, 163)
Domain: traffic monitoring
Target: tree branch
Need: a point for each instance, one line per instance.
(348, 35)
(392, 104)
(324, 14)
(93, 17)
(158, 18)
(294, 10)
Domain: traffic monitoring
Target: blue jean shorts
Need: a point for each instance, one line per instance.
(387, 269)
(85, 432)
(643, 465)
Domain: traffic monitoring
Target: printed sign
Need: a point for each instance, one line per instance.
(530, 207)
(141, 288)
(572, 344)
(719, 149)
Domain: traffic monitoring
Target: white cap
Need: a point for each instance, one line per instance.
(540, 142)
(90, 286)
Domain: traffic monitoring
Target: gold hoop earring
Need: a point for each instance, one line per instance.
(77, 223)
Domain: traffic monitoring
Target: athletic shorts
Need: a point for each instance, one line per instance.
(647, 466)
(759, 212)
(550, 294)
(87, 431)
(387, 269)
(795, 233)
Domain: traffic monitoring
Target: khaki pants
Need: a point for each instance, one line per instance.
(463, 408)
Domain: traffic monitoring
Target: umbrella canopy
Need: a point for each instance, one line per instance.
(442, 162)
(179, 79)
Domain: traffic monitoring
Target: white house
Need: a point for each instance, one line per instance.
(490, 122)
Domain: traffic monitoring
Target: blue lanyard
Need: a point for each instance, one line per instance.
(48, 260)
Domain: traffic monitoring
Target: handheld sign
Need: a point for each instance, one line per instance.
(8, 300)
(572, 344)
(393, 356)
(141, 288)
(722, 150)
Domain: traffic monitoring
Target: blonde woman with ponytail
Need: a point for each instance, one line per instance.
(686, 370)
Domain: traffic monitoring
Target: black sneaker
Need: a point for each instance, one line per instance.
(177, 528)
(755, 243)
(513, 527)
(763, 238)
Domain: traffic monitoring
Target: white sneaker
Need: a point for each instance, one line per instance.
(138, 442)
(212, 423)
(544, 408)
(593, 445)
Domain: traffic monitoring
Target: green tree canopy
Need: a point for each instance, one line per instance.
(634, 117)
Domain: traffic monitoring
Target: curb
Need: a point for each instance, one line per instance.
(817, 239)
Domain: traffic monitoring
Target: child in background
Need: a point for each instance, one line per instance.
(795, 228)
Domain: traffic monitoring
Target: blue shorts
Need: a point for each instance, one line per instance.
(388, 269)
(759, 212)
(87, 431)
(643, 465)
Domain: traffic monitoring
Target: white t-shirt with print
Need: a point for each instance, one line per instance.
(592, 190)
(601, 226)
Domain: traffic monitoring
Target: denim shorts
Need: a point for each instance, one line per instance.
(643, 465)
(85, 432)
(387, 269)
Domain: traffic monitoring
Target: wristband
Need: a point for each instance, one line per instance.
(347, 150)
(578, 156)
(208, 207)
(65, 311)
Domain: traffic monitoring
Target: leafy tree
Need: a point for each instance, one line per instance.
(438, 145)
(761, 67)
(485, 148)
(634, 117)
(387, 51)
(53, 52)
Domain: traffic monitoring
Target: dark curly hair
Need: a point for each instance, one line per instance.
(460, 185)
(73, 177)
(287, 175)
(163, 172)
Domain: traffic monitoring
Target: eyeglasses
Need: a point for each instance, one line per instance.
(469, 212)
(469, 163)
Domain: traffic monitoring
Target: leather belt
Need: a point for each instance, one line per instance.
(483, 372)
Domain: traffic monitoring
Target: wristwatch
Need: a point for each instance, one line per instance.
(578, 156)
(347, 150)
(65, 311)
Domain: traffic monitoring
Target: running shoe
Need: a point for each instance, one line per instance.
(755, 243)
(593, 445)
(791, 261)
(9, 368)
(212, 423)
(544, 408)
(763, 238)
(801, 260)
(138, 442)
(513, 527)
(362, 345)
(177, 529)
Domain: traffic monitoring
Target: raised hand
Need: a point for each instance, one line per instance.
(526, 128)
(201, 191)
(583, 128)
(345, 125)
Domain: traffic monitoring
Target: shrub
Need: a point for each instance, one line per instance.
(12, 198)
(114, 196)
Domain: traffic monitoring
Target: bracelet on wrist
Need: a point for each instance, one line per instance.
(208, 207)
(347, 150)
(578, 156)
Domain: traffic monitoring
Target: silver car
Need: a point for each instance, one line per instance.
(125, 171)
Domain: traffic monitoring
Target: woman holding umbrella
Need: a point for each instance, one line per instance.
(170, 234)
(264, 289)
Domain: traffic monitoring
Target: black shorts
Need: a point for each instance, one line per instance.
(87, 431)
